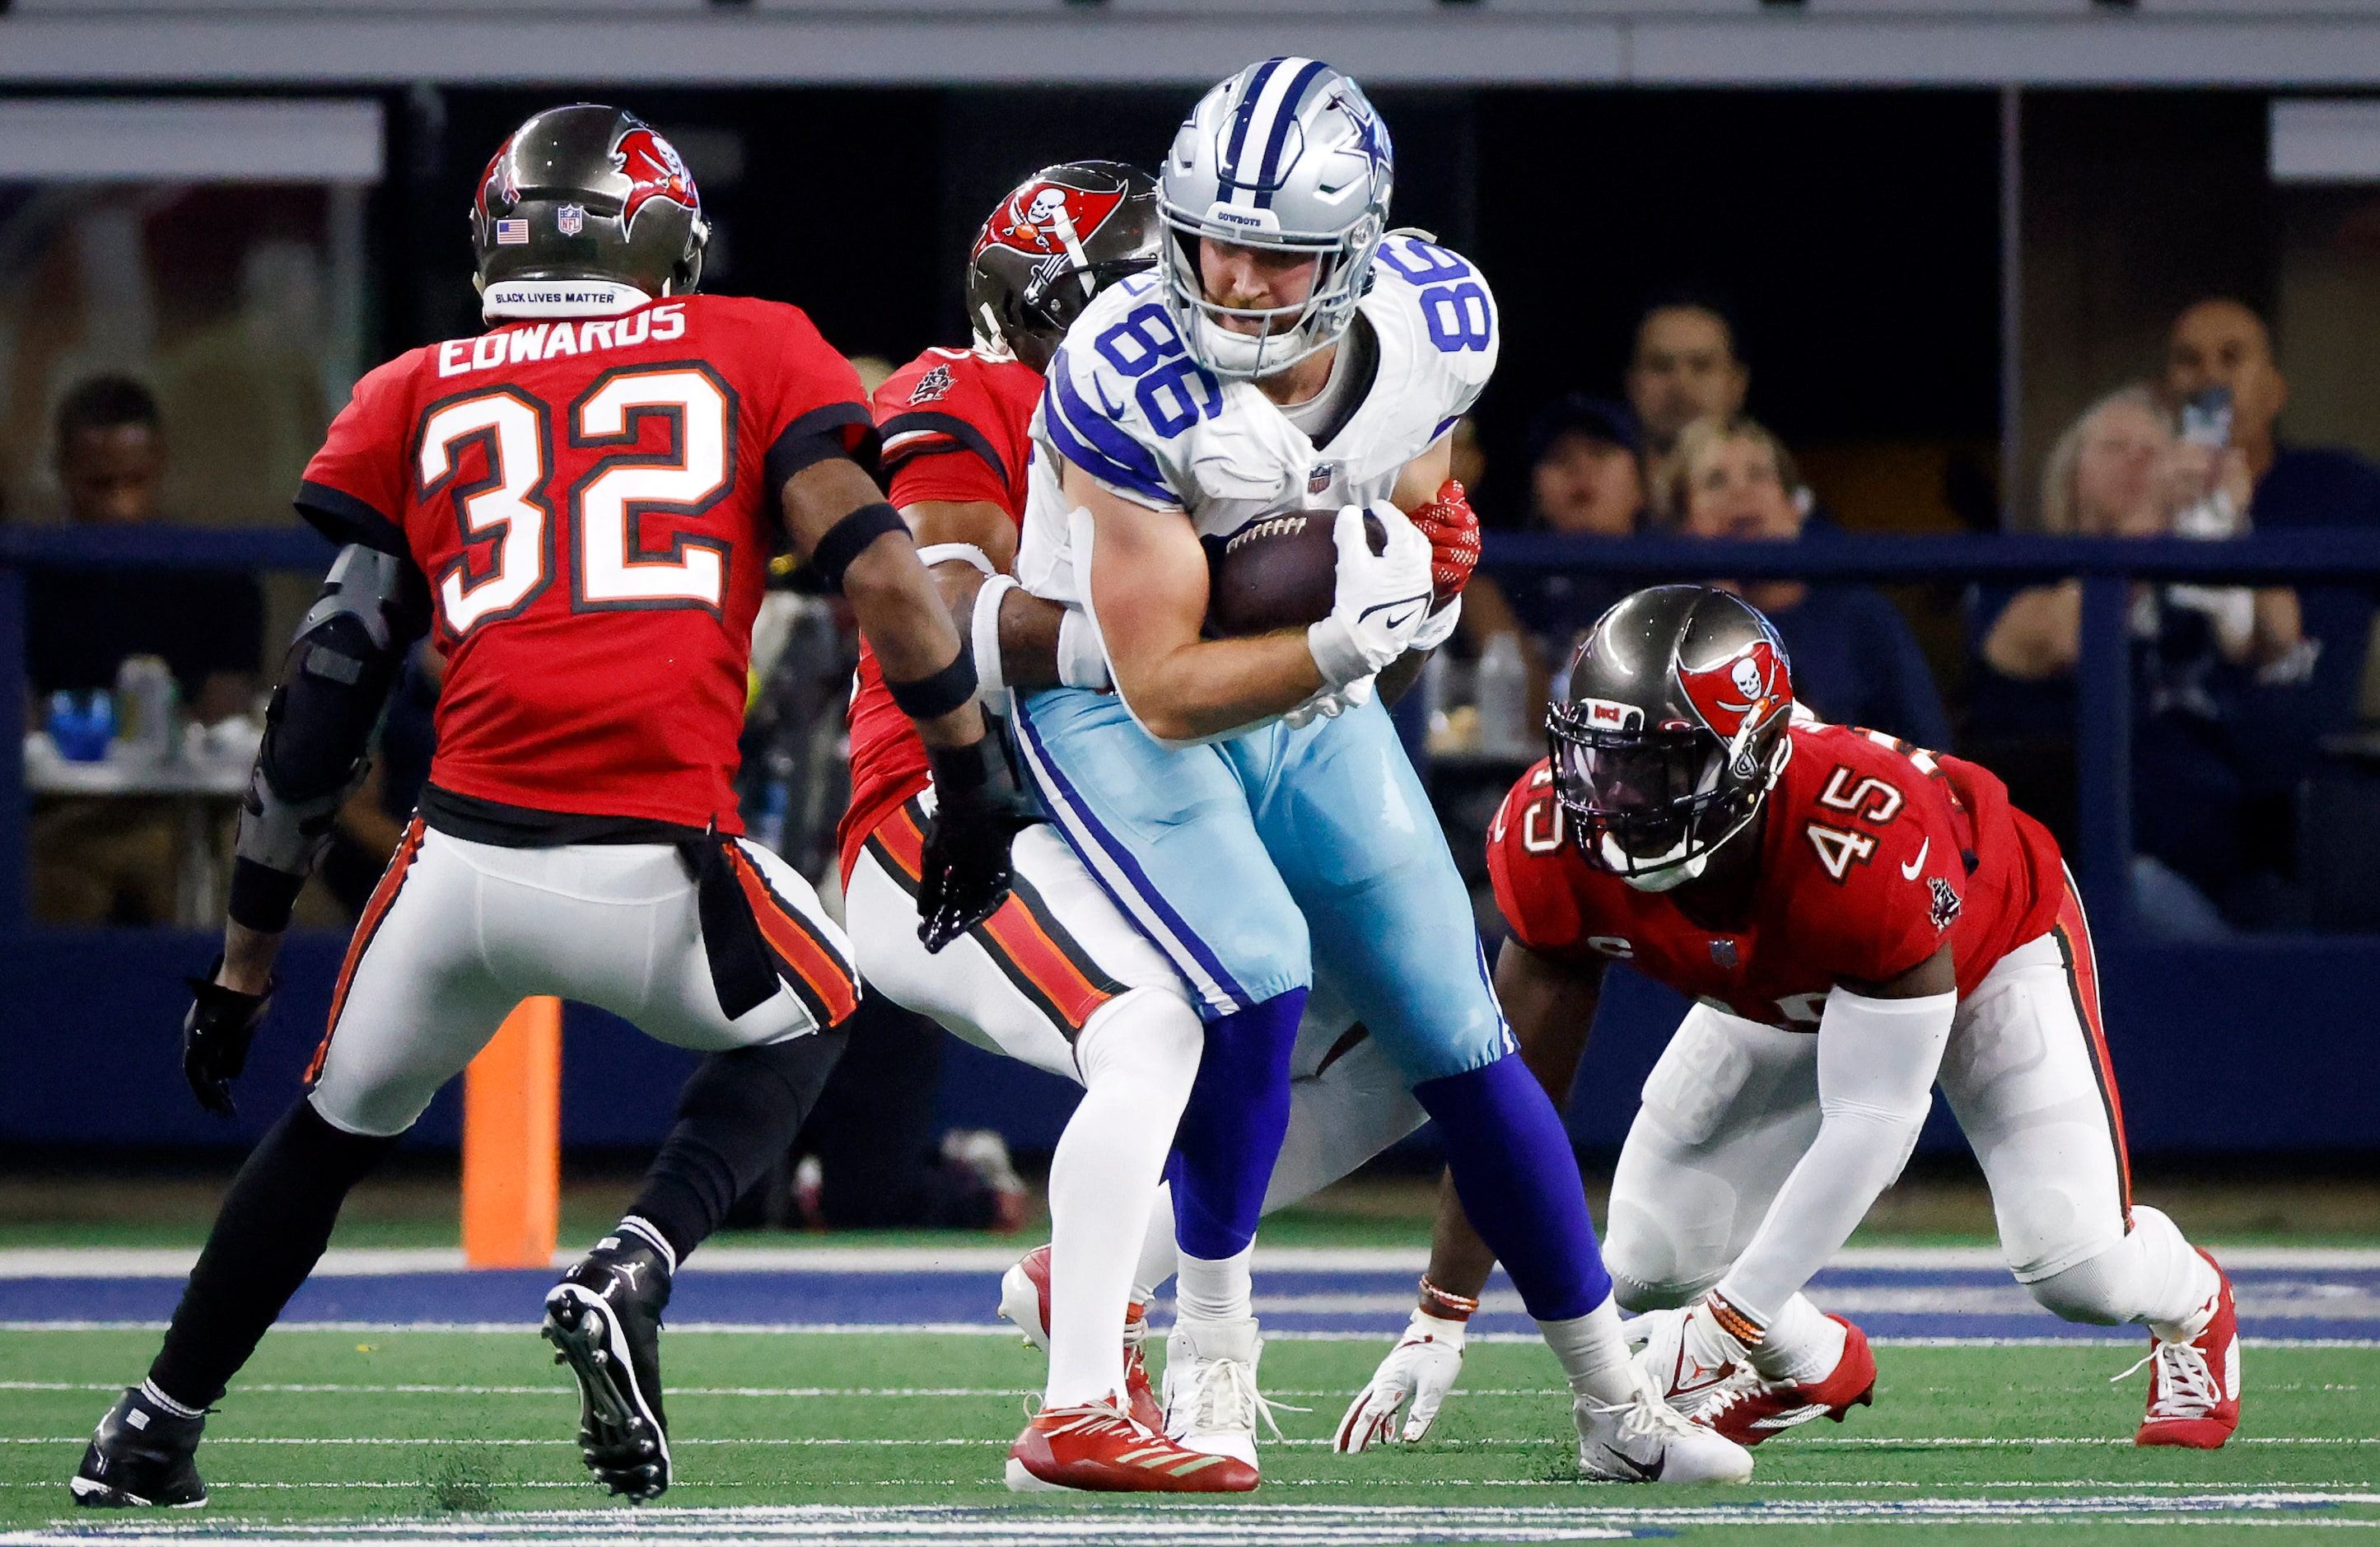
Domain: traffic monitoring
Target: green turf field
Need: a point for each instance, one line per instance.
(458, 1432)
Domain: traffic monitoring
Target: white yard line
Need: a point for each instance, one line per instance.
(368, 1262)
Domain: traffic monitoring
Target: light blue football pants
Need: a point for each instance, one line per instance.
(1261, 863)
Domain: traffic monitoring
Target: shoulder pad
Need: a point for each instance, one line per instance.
(1121, 391)
(1530, 860)
(1872, 853)
(1439, 302)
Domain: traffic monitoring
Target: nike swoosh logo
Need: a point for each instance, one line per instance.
(1384, 606)
(1909, 872)
(1649, 1474)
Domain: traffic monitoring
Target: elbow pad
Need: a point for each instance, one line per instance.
(334, 683)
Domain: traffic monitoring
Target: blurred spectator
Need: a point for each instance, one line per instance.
(82, 623)
(1854, 661)
(2277, 731)
(1686, 368)
(1585, 480)
(2221, 343)
(2202, 657)
(112, 861)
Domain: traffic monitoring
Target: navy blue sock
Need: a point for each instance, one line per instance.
(1232, 1128)
(1518, 1180)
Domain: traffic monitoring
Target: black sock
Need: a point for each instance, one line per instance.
(268, 1236)
(738, 1114)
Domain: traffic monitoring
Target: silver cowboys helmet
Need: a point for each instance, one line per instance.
(1287, 155)
(1672, 733)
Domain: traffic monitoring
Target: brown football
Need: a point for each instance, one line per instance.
(1278, 572)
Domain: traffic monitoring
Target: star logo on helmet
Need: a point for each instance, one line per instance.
(652, 165)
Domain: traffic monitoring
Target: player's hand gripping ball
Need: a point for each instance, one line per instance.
(1278, 572)
(215, 1034)
(1454, 533)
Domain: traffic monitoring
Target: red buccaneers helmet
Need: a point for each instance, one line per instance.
(1059, 238)
(584, 193)
(1672, 733)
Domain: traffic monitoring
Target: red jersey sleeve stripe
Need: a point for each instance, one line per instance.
(376, 910)
(817, 972)
(836, 430)
(957, 429)
(343, 518)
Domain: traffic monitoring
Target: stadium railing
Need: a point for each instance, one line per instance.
(2229, 1046)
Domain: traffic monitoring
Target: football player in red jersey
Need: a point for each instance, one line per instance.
(1058, 977)
(580, 503)
(1855, 919)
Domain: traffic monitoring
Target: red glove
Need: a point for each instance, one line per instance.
(1454, 533)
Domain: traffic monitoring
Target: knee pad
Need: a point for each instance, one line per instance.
(1643, 1266)
(2102, 1291)
(1146, 1030)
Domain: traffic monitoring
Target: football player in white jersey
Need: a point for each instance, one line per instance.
(1246, 800)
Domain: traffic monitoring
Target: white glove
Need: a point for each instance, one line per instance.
(1438, 627)
(1421, 1367)
(1378, 604)
(1330, 702)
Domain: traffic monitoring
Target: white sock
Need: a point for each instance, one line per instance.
(1159, 1257)
(156, 1397)
(2177, 1288)
(650, 1234)
(1593, 1355)
(1802, 1343)
(1216, 1288)
(1138, 1058)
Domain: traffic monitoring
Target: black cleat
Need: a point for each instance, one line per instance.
(605, 1318)
(142, 1457)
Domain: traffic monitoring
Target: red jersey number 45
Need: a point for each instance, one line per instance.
(508, 505)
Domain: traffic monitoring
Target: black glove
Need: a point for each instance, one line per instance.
(978, 810)
(216, 1035)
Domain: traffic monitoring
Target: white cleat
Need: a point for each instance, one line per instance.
(1211, 1402)
(1648, 1440)
(1024, 1296)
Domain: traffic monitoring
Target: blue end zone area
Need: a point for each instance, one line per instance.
(2290, 1303)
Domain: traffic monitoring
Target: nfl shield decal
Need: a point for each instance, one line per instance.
(1319, 478)
(570, 219)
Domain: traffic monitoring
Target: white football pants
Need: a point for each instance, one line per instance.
(1732, 1104)
(1060, 980)
(457, 933)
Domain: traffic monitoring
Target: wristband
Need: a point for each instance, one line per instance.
(1444, 1306)
(850, 537)
(262, 897)
(983, 630)
(956, 553)
(1735, 1323)
(931, 697)
(1082, 655)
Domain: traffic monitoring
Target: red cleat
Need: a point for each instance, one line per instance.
(2195, 1387)
(1099, 1448)
(1025, 1303)
(1749, 1409)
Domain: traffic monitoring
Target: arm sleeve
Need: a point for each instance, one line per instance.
(1877, 1063)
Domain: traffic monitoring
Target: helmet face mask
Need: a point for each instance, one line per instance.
(1059, 238)
(1287, 155)
(1674, 733)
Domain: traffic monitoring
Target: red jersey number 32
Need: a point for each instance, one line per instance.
(510, 507)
